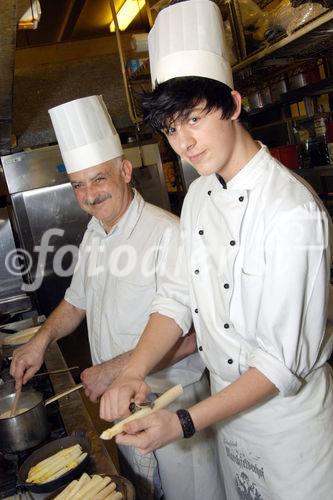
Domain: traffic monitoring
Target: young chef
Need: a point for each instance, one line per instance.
(256, 276)
(126, 249)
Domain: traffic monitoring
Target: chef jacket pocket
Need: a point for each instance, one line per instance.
(252, 278)
(134, 296)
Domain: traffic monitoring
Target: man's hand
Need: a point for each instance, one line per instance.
(27, 360)
(97, 379)
(152, 432)
(116, 399)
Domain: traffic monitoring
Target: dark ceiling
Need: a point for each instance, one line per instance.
(66, 20)
(61, 21)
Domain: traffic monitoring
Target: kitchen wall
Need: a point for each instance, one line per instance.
(48, 76)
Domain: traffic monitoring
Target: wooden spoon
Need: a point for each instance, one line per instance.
(16, 400)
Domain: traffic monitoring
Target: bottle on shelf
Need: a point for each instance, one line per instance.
(320, 152)
(329, 139)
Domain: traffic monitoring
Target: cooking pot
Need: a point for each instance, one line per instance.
(27, 429)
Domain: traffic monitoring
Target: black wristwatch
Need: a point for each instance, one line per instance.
(186, 422)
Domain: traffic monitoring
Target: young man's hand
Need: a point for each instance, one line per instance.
(117, 398)
(152, 432)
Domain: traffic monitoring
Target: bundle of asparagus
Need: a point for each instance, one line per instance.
(21, 337)
(56, 465)
(90, 488)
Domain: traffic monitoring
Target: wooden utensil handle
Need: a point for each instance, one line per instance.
(15, 403)
(62, 394)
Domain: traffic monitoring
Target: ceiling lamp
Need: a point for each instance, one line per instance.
(127, 13)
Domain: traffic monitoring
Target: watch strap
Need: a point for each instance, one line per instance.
(186, 422)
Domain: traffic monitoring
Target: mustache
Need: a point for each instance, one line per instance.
(98, 200)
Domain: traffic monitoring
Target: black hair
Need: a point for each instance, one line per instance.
(175, 99)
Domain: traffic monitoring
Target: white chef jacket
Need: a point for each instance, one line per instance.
(115, 281)
(257, 265)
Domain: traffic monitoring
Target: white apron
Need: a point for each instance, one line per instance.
(284, 442)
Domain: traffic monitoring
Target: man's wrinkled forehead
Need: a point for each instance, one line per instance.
(91, 173)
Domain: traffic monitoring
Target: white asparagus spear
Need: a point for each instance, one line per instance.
(83, 492)
(64, 470)
(161, 402)
(98, 488)
(57, 474)
(106, 492)
(84, 479)
(116, 496)
(64, 495)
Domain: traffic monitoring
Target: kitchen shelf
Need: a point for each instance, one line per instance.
(308, 41)
(266, 107)
(313, 89)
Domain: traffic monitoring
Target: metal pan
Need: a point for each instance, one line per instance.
(45, 452)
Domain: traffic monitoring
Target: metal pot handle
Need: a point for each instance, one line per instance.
(62, 394)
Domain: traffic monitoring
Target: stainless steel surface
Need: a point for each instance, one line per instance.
(12, 298)
(53, 211)
(255, 100)
(26, 430)
(33, 169)
(148, 176)
(45, 206)
(278, 87)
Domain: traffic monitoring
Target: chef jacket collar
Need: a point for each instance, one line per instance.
(128, 221)
(221, 181)
(248, 176)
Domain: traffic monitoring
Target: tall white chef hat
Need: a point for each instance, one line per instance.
(187, 39)
(85, 133)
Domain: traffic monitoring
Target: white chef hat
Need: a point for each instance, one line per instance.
(187, 39)
(85, 133)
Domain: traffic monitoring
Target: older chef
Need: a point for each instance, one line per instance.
(128, 247)
(257, 268)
